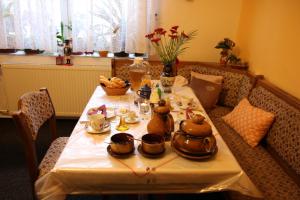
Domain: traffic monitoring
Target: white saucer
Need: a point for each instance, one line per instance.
(132, 121)
(91, 130)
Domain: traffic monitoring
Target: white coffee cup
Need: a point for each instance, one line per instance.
(97, 121)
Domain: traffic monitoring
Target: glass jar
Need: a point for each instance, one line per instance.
(136, 72)
(146, 79)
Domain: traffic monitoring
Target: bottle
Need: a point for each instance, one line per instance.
(146, 79)
(155, 95)
(136, 71)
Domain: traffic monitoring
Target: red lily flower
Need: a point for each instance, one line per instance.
(175, 28)
(149, 36)
(163, 32)
(173, 31)
(155, 40)
(158, 30)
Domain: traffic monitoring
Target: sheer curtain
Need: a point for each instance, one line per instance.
(29, 24)
(114, 25)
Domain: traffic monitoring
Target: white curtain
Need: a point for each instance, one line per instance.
(141, 20)
(114, 25)
(29, 24)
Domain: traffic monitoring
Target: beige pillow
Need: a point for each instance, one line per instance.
(210, 78)
(207, 92)
(250, 122)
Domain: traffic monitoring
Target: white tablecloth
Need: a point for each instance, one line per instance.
(86, 167)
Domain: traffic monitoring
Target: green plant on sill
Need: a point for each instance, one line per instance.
(60, 34)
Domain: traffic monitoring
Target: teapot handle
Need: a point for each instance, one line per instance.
(171, 123)
(210, 142)
(180, 124)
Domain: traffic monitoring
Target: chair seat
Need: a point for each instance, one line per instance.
(52, 155)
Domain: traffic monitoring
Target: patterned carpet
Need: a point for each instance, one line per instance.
(14, 180)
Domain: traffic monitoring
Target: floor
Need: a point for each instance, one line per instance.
(14, 180)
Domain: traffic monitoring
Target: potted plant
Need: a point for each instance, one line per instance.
(226, 45)
(60, 36)
(169, 45)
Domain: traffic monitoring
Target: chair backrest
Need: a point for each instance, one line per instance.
(122, 71)
(34, 109)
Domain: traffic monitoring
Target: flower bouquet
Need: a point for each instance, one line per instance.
(168, 45)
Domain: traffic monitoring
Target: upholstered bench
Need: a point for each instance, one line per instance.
(273, 165)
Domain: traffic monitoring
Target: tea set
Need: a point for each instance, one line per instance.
(193, 140)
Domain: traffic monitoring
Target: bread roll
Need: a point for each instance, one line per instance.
(114, 82)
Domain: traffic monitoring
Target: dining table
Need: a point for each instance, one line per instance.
(86, 166)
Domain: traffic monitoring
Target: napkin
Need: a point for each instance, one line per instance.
(180, 81)
(101, 109)
(189, 113)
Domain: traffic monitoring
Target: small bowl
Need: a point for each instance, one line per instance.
(122, 143)
(153, 143)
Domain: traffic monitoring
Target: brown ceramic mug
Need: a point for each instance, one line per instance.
(122, 143)
(153, 143)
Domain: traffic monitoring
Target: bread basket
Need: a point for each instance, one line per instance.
(115, 91)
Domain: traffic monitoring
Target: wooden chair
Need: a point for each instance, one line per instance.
(34, 109)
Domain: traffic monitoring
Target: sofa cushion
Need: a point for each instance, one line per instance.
(284, 135)
(207, 77)
(235, 86)
(250, 122)
(259, 165)
(207, 92)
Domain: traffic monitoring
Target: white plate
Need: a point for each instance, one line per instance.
(91, 130)
(132, 121)
(110, 112)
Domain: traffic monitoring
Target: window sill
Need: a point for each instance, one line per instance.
(50, 59)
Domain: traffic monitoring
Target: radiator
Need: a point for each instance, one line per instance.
(70, 87)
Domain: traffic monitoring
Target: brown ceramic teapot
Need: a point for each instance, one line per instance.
(194, 136)
(162, 122)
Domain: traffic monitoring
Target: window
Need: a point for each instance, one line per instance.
(114, 25)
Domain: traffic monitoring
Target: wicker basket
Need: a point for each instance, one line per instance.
(115, 91)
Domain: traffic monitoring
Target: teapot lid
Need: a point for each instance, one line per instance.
(196, 126)
(162, 108)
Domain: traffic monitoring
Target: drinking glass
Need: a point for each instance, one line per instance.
(144, 108)
(122, 111)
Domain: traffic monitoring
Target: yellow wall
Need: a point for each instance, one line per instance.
(269, 39)
(214, 20)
